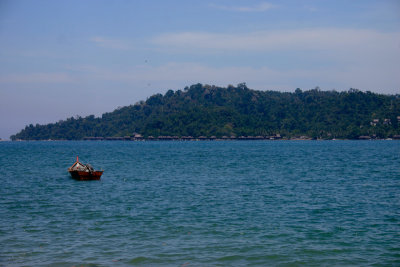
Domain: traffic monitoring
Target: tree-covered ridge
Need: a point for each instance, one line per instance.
(204, 110)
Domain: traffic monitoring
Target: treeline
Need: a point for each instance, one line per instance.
(204, 110)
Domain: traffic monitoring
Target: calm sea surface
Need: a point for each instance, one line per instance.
(250, 203)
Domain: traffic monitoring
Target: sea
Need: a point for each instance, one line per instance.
(205, 203)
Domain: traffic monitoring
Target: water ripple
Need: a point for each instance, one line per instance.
(201, 204)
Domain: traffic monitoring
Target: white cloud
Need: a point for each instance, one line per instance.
(311, 8)
(264, 6)
(26, 78)
(111, 43)
(179, 74)
(364, 59)
(295, 40)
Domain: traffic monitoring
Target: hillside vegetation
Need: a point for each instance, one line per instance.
(203, 110)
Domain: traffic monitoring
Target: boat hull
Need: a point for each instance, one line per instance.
(85, 176)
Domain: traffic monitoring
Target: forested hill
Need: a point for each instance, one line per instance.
(203, 110)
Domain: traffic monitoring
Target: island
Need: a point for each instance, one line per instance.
(207, 112)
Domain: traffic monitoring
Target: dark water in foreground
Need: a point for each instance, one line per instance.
(254, 203)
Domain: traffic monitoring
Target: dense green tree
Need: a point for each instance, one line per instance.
(205, 110)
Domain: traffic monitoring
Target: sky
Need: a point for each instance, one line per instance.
(60, 59)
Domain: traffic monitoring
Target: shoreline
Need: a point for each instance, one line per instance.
(200, 140)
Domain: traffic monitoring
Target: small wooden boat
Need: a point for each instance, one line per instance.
(84, 172)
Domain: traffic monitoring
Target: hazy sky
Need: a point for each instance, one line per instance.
(64, 58)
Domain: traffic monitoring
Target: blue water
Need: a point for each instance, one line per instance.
(250, 203)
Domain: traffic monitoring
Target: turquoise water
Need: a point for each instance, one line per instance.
(251, 203)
